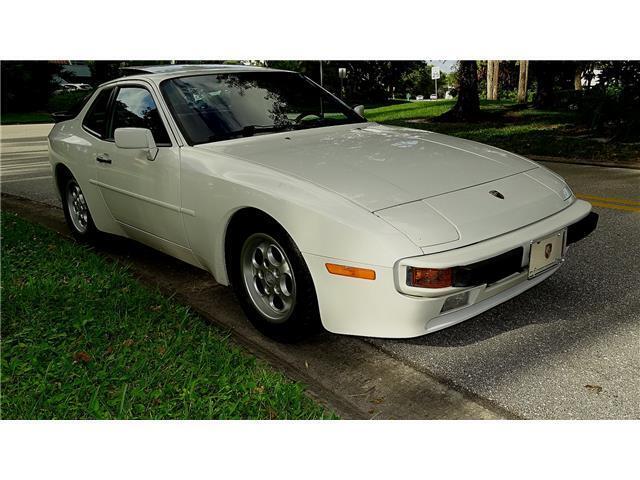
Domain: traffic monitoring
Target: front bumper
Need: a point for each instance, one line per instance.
(388, 307)
(501, 266)
(581, 229)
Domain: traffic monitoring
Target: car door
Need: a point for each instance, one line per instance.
(143, 195)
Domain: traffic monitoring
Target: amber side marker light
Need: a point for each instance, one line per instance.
(354, 272)
(429, 277)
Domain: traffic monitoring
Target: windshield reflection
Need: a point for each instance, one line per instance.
(216, 107)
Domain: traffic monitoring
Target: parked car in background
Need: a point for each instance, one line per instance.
(419, 97)
(73, 87)
(314, 216)
(433, 96)
(81, 86)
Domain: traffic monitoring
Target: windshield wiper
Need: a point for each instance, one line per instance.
(250, 130)
(320, 122)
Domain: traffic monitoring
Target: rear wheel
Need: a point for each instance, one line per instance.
(273, 284)
(76, 211)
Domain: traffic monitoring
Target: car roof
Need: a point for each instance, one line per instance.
(158, 73)
(183, 67)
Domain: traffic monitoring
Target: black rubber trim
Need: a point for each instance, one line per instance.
(490, 270)
(499, 267)
(581, 229)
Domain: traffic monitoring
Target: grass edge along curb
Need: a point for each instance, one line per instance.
(82, 339)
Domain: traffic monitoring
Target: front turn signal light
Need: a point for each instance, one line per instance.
(429, 277)
(354, 272)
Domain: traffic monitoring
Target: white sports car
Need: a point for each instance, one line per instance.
(313, 215)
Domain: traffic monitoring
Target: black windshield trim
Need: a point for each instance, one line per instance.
(350, 121)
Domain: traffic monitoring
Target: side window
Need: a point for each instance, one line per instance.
(96, 118)
(134, 107)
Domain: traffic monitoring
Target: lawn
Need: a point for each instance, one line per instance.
(25, 118)
(82, 339)
(57, 103)
(506, 125)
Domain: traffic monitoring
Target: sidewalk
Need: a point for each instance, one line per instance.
(37, 131)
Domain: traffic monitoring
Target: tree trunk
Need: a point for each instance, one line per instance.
(493, 76)
(490, 79)
(496, 79)
(544, 77)
(467, 106)
(522, 81)
(577, 79)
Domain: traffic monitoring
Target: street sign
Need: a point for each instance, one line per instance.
(342, 73)
(435, 73)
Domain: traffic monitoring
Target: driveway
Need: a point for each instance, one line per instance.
(569, 348)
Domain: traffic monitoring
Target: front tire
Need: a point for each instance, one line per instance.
(272, 283)
(76, 211)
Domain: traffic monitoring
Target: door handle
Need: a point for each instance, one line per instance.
(103, 158)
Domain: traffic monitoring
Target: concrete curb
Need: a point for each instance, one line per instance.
(347, 374)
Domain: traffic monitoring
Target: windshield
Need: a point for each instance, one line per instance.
(215, 107)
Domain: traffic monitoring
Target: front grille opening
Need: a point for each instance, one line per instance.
(489, 271)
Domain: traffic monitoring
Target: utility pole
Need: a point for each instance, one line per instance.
(321, 73)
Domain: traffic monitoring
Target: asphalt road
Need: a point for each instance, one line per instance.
(568, 348)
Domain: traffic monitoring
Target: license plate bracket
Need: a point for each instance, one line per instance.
(547, 252)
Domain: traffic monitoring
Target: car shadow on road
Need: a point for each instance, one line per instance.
(547, 303)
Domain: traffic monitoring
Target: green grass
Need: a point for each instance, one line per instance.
(504, 125)
(81, 338)
(408, 110)
(20, 118)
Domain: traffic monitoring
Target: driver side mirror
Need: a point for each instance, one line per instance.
(359, 109)
(136, 139)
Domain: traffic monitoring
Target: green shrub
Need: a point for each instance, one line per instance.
(61, 102)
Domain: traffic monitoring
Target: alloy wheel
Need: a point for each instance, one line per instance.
(268, 277)
(78, 209)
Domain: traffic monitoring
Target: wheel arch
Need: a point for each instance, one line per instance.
(236, 221)
(61, 173)
(101, 216)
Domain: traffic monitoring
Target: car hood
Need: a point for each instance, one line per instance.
(480, 212)
(377, 166)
